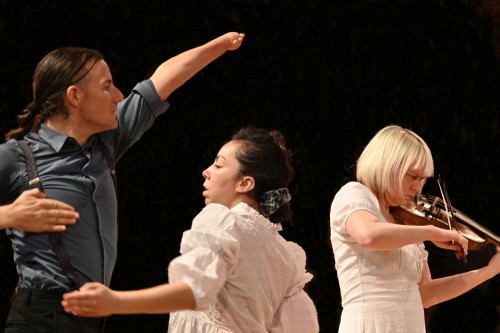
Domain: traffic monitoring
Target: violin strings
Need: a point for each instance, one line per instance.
(447, 202)
(467, 221)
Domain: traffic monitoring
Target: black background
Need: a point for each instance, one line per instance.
(328, 74)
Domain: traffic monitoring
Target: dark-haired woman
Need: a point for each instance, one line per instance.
(235, 272)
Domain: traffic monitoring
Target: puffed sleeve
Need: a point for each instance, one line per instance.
(210, 251)
(423, 251)
(297, 313)
(350, 198)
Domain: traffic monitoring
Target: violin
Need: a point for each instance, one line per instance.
(430, 210)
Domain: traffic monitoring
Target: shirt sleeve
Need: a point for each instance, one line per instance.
(210, 251)
(297, 313)
(136, 114)
(13, 170)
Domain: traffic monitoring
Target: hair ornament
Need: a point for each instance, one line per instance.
(272, 200)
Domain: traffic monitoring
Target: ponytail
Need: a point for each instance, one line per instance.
(27, 121)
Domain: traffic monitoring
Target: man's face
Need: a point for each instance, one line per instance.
(98, 110)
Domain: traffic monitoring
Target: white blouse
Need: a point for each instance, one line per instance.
(244, 275)
(379, 288)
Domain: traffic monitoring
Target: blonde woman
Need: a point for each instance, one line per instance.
(381, 265)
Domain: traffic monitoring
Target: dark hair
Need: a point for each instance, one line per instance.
(57, 71)
(264, 156)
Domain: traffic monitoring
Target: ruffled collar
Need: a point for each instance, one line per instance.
(245, 210)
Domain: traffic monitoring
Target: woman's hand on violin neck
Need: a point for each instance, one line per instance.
(450, 240)
(448, 245)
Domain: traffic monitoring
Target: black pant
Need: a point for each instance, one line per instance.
(40, 311)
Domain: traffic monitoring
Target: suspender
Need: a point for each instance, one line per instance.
(110, 162)
(55, 238)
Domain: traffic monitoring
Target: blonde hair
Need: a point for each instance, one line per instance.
(388, 157)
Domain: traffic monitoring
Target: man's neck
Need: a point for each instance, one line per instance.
(66, 127)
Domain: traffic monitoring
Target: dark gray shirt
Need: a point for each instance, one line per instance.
(79, 176)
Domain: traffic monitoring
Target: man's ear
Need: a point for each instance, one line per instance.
(73, 96)
(246, 185)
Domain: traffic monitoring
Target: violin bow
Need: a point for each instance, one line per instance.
(448, 208)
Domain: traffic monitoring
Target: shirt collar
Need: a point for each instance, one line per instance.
(245, 210)
(57, 139)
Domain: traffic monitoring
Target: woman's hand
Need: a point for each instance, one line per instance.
(92, 300)
(32, 211)
(452, 240)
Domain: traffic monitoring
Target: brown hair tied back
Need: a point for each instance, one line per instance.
(264, 156)
(58, 70)
(34, 107)
(27, 121)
